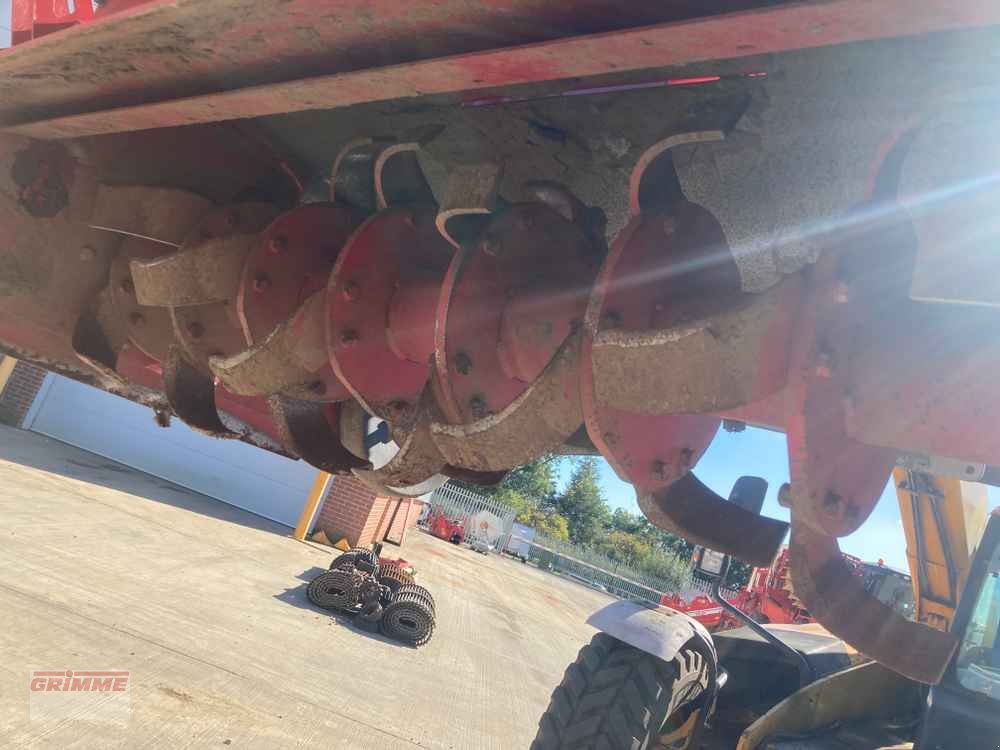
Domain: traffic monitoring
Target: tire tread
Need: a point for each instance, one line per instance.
(613, 697)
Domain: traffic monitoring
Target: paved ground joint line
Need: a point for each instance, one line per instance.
(192, 657)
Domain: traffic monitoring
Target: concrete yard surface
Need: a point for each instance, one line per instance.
(105, 568)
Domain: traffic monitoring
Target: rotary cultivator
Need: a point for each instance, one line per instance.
(786, 234)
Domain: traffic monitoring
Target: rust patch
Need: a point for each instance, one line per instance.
(43, 173)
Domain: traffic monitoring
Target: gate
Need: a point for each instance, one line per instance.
(485, 518)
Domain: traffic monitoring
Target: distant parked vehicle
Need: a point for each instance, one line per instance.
(480, 545)
(450, 529)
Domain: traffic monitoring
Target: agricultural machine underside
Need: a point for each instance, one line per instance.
(802, 241)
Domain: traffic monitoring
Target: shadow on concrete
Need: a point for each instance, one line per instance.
(55, 457)
(308, 575)
(297, 598)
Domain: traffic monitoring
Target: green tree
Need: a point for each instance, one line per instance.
(623, 547)
(582, 503)
(550, 524)
(655, 537)
(536, 480)
(673, 569)
(672, 543)
(529, 490)
(533, 483)
(523, 506)
(622, 520)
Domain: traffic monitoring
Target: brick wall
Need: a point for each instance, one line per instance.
(406, 517)
(352, 510)
(19, 393)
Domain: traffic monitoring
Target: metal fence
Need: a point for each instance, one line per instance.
(595, 569)
(485, 518)
(600, 571)
(694, 587)
(489, 519)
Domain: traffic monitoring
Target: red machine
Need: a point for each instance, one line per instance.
(516, 228)
(450, 529)
(701, 608)
(30, 19)
(769, 596)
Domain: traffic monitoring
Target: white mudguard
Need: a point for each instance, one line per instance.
(659, 631)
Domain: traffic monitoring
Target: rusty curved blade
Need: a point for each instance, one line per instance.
(470, 191)
(592, 221)
(640, 197)
(559, 199)
(481, 478)
(92, 348)
(728, 359)
(837, 480)
(306, 431)
(290, 355)
(209, 263)
(417, 461)
(353, 423)
(690, 509)
(147, 328)
(162, 215)
(836, 597)
(416, 490)
(537, 422)
(191, 395)
(399, 178)
(352, 174)
(206, 272)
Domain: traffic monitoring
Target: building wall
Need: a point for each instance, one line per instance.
(354, 511)
(19, 392)
(350, 508)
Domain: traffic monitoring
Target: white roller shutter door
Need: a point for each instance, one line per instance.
(229, 470)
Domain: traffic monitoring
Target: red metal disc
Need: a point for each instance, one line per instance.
(293, 259)
(381, 300)
(213, 329)
(137, 367)
(149, 328)
(663, 265)
(656, 261)
(651, 452)
(251, 410)
(507, 304)
(836, 479)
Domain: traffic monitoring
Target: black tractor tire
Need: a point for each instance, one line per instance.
(616, 697)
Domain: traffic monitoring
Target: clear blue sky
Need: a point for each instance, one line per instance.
(4, 23)
(763, 453)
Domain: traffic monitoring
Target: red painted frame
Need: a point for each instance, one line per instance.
(159, 92)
